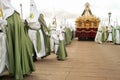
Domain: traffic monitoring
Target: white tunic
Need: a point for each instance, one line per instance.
(117, 36)
(98, 35)
(7, 10)
(35, 25)
(57, 37)
(32, 35)
(109, 33)
(3, 52)
(52, 32)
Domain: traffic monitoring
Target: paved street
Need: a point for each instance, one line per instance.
(86, 60)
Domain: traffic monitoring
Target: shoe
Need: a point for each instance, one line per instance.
(34, 59)
(42, 57)
(60, 59)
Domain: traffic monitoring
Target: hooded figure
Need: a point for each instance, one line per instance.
(19, 46)
(98, 37)
(3, 49)
(46, 34)
(68, 35)
(60, 49)
(116, 35)
(52, 29)
(109, 35)
(35, 31)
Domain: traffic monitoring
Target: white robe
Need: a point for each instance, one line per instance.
(117, 36)
(32, 35)
(7, 10)
(52, 32)
(109, 34)
(35, 25)
(56, 42)
(57, 37)
(98, 36)
(3, 53)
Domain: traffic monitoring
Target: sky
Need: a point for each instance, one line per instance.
(71, 9)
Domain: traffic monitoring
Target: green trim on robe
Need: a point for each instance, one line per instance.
(47, 42)
(44, 30)
(68, 36)
(61, 53)
(113, 35)
(104, 36)
(20, 48)
(38, 38)
(38, 41)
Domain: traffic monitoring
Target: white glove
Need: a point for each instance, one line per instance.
(46, 33)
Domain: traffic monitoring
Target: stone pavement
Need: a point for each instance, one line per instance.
(86, 61)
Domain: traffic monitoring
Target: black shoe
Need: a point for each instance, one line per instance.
(34, 59)
(43, 57)
(60, 59)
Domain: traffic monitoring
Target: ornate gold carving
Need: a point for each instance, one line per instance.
(87, 19)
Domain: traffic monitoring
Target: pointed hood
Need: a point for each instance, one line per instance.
(34, 14)
(7, 8)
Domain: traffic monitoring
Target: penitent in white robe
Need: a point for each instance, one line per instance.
(117, 36)
(98, 37)
(32, 35)
(34, 27)
(109, 34)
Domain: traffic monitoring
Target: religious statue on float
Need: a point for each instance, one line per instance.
(86, 24)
